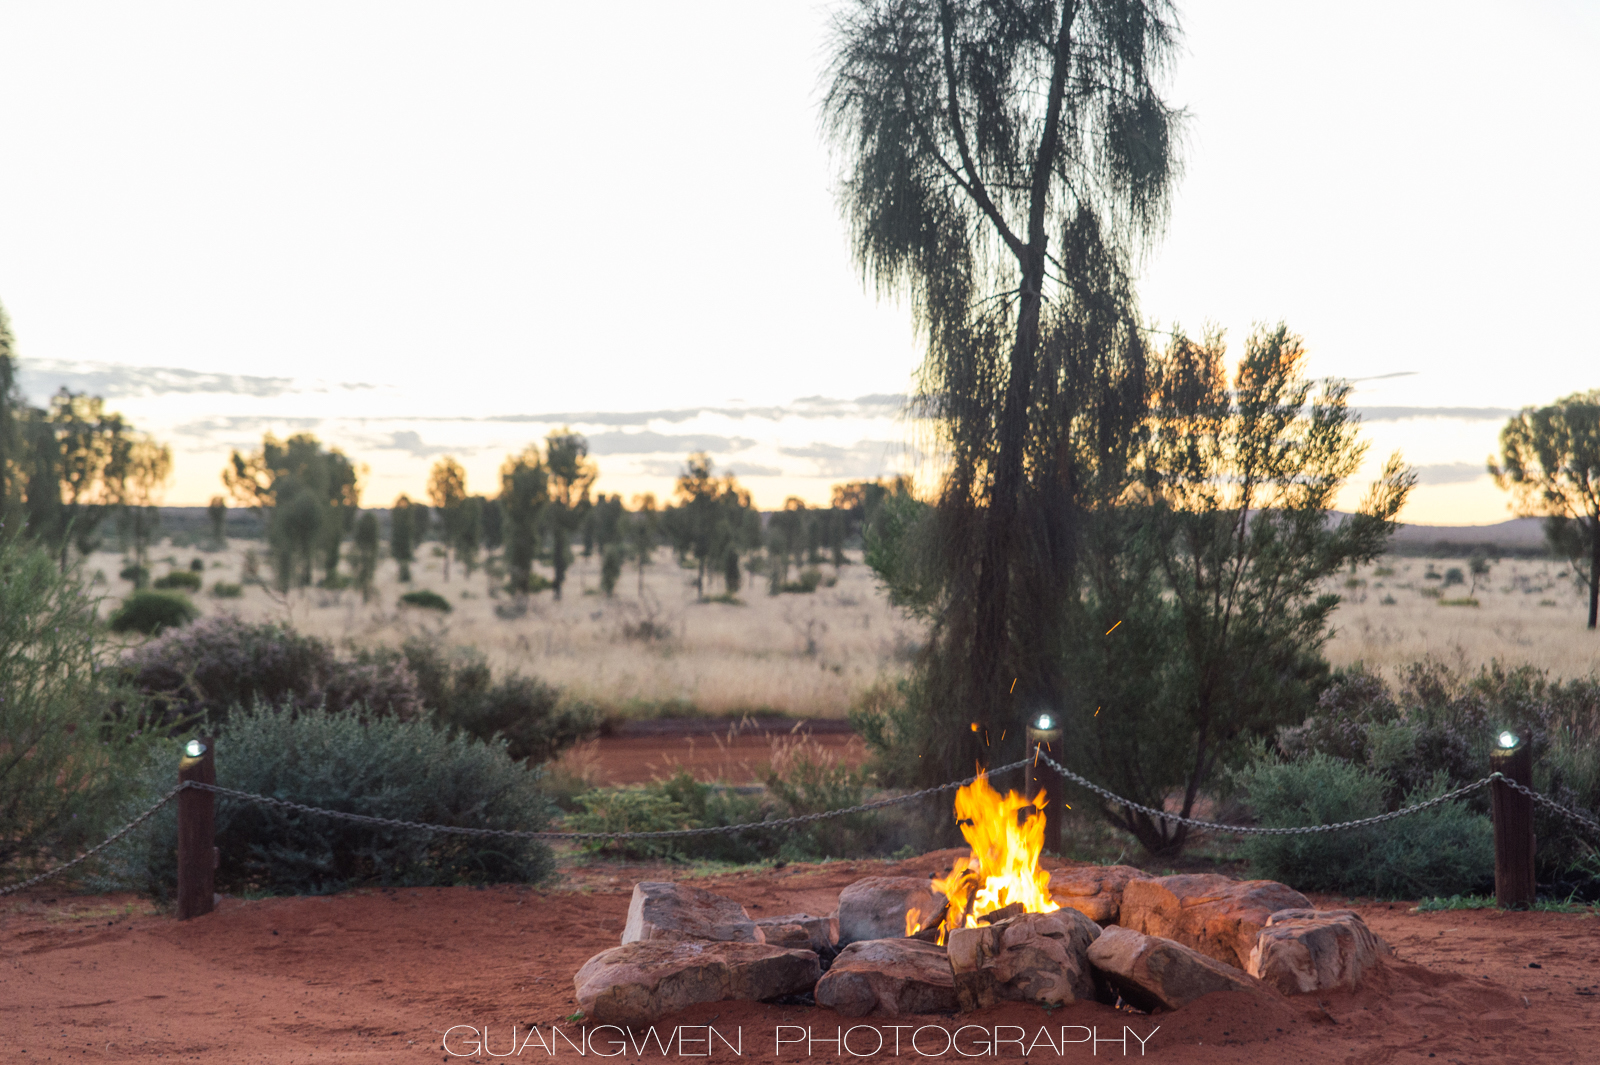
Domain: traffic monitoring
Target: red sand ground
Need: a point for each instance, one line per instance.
(380, 976)
(640, 752)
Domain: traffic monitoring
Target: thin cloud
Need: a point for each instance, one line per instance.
(1399, 414)
(651, 443)
(39, 378)
(865, 458)
(674, 467)
(1451, 473)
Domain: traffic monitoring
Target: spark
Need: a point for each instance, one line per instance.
(1002, 735)
(1112, 629)
(1013, 686)
(1096, 714)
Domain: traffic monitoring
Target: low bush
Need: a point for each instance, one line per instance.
(223, 662)
(65, 766)
(1441, 721)
(227, 590)
(152, 612)
(534, 718)
(135, 573)
(179, 580)
(805, 778)
(1445, 849)
(354, 763)
(426, 600)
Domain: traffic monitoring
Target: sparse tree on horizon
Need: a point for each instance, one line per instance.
(366, 552)
(402, 542)
(524, 495)
(571, 473)
(447, 490)
(1550, 463)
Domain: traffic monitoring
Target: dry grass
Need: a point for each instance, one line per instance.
(800, 654)
(811, 655)
(1527, 612)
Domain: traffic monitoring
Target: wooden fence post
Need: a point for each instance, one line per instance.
(1513, 825)
(197, 831)
(1043, 734)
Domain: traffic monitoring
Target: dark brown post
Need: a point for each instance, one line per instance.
(197, 831)
(1513, 826)
(1045, 738)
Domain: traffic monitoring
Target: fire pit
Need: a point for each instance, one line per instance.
(997, 927)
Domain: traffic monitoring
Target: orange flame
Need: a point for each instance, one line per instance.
(1006, 833)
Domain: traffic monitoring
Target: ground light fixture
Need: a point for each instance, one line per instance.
(1508, 740)
(194, 749)
(1045, 723)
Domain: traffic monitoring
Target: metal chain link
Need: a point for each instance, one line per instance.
(507, 833)
(86, 855)
(677, 833)
(1544, 800)
(1256, 830)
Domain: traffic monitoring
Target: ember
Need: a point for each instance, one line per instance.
(1006, 833)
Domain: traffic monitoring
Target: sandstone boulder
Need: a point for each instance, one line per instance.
(1093, 890)
(892, 976)
(1300, 951)
(675, 912)
(1216, 915)
(638, 982)
(799, 931)
(876, 907)
(1036, 957)
(1154, 973)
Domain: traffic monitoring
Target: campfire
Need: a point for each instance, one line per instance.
(1002, 876)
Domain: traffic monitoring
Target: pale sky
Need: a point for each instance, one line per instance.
(419, 229)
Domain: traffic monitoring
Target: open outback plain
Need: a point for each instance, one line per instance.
(383, 975)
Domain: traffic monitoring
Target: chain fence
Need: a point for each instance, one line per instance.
(804, 819)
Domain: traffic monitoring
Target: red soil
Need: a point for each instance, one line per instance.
(381, 976)
(640, 752)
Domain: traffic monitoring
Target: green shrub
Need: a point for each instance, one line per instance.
(1446, 849)
(1439, 720)
(64, 765)
(135, 573)
(382, 767)
(222, 662)
(426, 600)
(197, 564)
(152, 612)
(227, 590)
(179, 579)
(630, 810)
(533, 717)
(810, 580)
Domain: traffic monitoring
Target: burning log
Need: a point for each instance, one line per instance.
(1006, 834)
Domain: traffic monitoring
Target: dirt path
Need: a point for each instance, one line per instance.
(730, 752)
(381, 976)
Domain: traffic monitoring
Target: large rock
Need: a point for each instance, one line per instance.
(1154, 973)
(1037, 957)
(676, 912)
(876, 907)
(1216, 915)
(1300, 951)
(892, 976)
(1093, 890)
(638, 982)
(800, 931)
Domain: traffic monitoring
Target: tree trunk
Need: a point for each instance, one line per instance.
(1594, 568)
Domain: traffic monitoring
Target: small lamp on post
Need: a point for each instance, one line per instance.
(197, 834)
(1513, 823)
(1044, 735)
